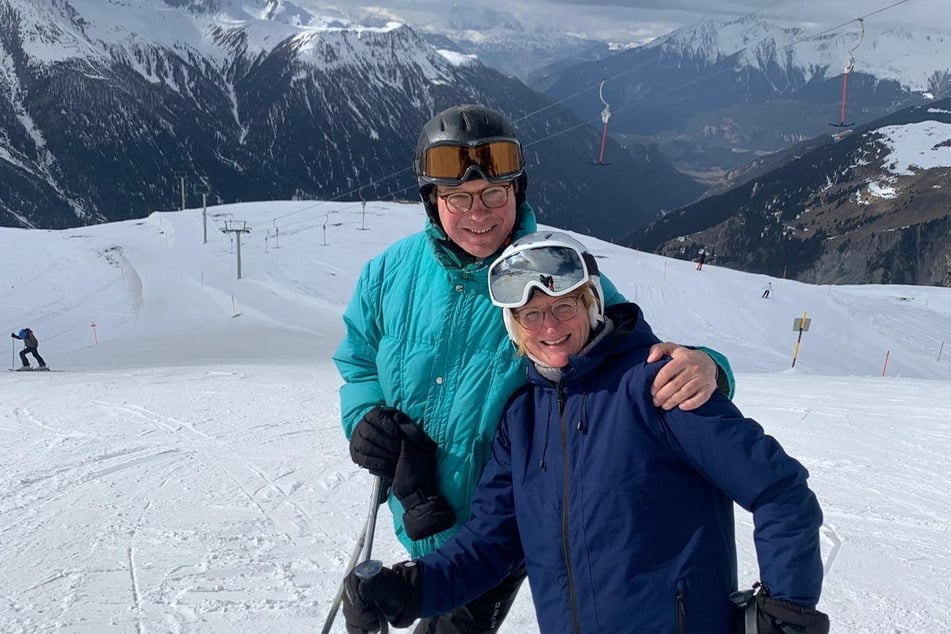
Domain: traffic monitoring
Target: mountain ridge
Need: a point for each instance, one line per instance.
(870, 205)
(716, 95)
(262, 109)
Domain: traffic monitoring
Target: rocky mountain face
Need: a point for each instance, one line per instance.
(101, 108)
(865, 205)
(715, 96)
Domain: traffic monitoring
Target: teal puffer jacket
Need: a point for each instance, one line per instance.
(423, 337)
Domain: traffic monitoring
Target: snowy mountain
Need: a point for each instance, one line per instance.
(716, 95)
(866, 205)
(513, 39)
(104, 105)
(184, 470)
(515, 47)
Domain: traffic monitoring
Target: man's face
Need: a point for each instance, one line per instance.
(481, 230)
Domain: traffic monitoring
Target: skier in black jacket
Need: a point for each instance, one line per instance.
(30, 345)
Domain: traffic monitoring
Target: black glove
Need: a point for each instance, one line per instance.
(376, 440)
(425, 511)
(776, 616)
(394, 594)
(14, 335)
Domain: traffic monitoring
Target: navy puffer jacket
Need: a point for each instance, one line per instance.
(624, 512)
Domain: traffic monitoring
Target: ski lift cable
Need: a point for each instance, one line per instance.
(587, 123)
(295, 226)
(347, 194)
(693, 82)
(525, 117)
(627, 71)
(401, 171)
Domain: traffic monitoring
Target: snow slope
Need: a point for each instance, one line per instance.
(185, 470)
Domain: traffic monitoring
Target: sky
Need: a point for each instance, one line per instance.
(905, 56)
(183, 468)
(641, 20)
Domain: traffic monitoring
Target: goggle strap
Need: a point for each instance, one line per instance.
(591, 262)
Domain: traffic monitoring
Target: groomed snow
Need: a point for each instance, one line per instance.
(184, 469)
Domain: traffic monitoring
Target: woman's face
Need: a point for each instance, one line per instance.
(554, 339)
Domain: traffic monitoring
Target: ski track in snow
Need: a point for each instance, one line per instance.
(188, 473)
(177, 520)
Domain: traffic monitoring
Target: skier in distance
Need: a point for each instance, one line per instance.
(30, 345)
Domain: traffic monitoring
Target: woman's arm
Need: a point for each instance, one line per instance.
(485, 548)
(734, 454)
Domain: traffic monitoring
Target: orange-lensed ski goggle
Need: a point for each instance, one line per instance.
(495, 161)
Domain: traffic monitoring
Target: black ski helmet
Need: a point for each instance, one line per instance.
(467, 125)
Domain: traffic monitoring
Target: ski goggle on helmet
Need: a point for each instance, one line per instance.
(552, 262)
(495, 160)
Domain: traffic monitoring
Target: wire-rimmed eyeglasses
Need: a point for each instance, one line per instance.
(493, 197)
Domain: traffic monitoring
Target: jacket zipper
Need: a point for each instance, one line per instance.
(566, 549)
(681, 609)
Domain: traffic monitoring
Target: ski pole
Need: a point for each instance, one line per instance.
(361, 553)
(745, 600)
(369, 568)
(338, 597)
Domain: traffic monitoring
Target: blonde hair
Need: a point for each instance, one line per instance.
(588, 299)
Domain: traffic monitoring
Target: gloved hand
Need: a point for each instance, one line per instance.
(14, 335)
(394, 594)
(776, 616)
(415, 484)
(376, 440)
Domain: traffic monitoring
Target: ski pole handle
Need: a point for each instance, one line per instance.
(368, 569)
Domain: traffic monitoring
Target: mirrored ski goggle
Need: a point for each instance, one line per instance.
(496, 161)
(554, 270)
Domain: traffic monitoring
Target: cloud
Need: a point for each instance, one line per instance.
(928, 15)
(639, 20)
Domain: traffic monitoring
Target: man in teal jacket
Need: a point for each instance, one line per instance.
(426, 362)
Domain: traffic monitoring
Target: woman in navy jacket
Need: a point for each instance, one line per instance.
(622, 512)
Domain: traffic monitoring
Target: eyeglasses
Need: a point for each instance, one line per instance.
(554, 269)
(495, 160)
(492, 197)
(562, 310)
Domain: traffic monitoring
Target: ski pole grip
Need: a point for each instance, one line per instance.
(368, 569)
